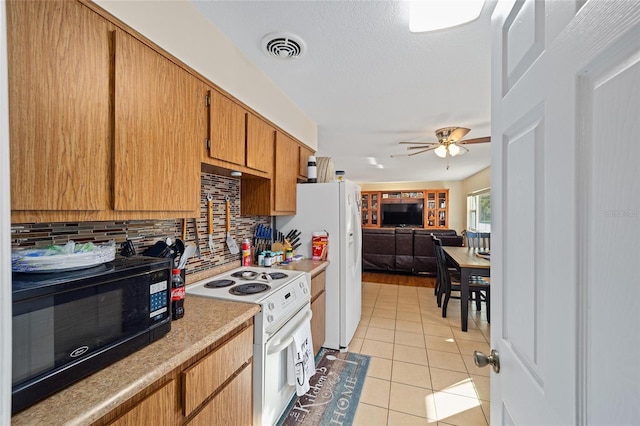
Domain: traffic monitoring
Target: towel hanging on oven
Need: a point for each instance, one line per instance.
(301, 364)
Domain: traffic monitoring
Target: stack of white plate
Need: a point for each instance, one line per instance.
(326, 171)
(40, 260)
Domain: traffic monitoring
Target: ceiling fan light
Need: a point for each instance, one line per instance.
(431, 15)
(441, 151)
(454, 150)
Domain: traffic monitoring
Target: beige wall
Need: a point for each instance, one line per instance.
(480, 180)
(179, 28)
(458, 191)
(477, 182)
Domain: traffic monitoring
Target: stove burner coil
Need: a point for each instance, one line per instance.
(219, 283)
(250, 288)
(246, 275)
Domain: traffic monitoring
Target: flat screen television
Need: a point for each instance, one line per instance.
(405, 214)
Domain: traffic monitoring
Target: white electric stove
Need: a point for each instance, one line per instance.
(285, 299)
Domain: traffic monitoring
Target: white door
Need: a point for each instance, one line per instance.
(566, 212)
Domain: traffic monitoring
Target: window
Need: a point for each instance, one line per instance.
(479, 211)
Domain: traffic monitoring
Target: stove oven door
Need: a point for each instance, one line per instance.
(277, 392)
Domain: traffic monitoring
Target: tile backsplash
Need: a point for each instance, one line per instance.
(145, 233)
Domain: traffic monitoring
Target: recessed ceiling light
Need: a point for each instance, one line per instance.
(431, 15)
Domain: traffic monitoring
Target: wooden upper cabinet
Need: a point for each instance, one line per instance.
(304, 154)
(159, 122)
(260, 140)
(285, 174)
(59, 122)
(227, 128)
(277, 195)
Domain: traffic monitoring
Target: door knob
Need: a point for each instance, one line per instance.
(481, 360)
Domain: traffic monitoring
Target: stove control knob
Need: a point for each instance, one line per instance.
(269, 318)
(305, 290)
(271, 306)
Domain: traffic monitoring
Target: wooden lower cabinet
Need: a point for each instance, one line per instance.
(157, 409)
(214, 388)
(319, 309)
(233, 406)
(205, 377)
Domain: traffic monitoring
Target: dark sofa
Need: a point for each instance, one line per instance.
(403, 249)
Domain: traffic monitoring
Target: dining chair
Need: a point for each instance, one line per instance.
(478, 287)
(454, 274)
(480, 241)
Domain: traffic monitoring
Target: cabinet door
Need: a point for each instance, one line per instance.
(304, 161)
(318, 307)
(157, 409)
(260, 140)
(375, 211)
(370, 209)
(158, 123)
(58, 69)
(204, 378)
(227, 129)
(443, 209)
(232, 406)
(285, 174)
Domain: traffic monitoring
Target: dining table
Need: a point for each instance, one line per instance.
(469, 262)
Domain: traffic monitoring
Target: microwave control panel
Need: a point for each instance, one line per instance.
(159, 294)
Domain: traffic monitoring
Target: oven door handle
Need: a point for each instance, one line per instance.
(287, 331)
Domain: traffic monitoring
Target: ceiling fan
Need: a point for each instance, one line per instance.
(449, 143)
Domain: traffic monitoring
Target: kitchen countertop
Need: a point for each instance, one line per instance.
(305, 265)
(206, 321)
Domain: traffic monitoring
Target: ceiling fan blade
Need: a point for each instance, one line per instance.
(476, 140)
(458, 134)
(418, 143)
(463, 150)
(424, 150)
(429, 145)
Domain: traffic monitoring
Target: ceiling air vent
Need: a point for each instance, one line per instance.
(283, 45)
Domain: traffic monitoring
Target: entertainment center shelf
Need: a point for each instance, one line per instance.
(428, 209)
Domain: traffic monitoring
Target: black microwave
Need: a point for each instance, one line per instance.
(67, 325)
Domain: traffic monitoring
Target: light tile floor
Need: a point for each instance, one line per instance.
(421, 370)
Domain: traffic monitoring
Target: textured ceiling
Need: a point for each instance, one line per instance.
(369, 83)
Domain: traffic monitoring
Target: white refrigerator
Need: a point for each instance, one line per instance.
(333, 207)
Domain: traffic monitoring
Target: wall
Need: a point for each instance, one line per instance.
(480, 180)
(179, 28)
(145, 233)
